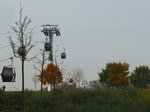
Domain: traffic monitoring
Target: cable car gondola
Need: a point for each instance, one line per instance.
(48, 46)
(63, 55)
(8, 74)
(71, 80)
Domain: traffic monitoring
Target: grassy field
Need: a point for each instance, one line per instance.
(76, 101)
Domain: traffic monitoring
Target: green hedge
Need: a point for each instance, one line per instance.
(76, 101)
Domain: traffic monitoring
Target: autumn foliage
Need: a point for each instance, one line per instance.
(115, 74)
(118, 75)
(119, 80)
(51, 75)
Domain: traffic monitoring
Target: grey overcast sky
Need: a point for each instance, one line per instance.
(94, 32)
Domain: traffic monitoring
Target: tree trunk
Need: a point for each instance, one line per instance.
(23, 76)
(78, 82)
(35, 87)
(42, 81)
(42, 74)
(54, 86)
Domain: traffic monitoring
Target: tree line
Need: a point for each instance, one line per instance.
(117, 74)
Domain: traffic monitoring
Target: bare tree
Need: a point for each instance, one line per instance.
(24, 36)
(94, 84)
(77, 76)
(41, 63)
(35, 79)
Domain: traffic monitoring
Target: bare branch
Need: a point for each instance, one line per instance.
(32, 58)
(28, 37)
(41, 62)
(31, 46)
(26, 23)
(13, 46)
(20, 15)
(37, 68)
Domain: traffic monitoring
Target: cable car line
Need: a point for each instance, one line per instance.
(4, 46)
(7, 59)
(3, 33)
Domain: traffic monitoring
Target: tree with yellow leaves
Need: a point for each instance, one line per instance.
(116, 75)
(51, 75)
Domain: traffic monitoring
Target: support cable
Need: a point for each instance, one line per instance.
(3, 33)
(4, 47)
(7, 59)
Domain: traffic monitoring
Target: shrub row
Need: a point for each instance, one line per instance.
(76, 101)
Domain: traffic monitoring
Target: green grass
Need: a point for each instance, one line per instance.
(76, 101)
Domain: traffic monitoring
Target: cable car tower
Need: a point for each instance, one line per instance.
(50, 30)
